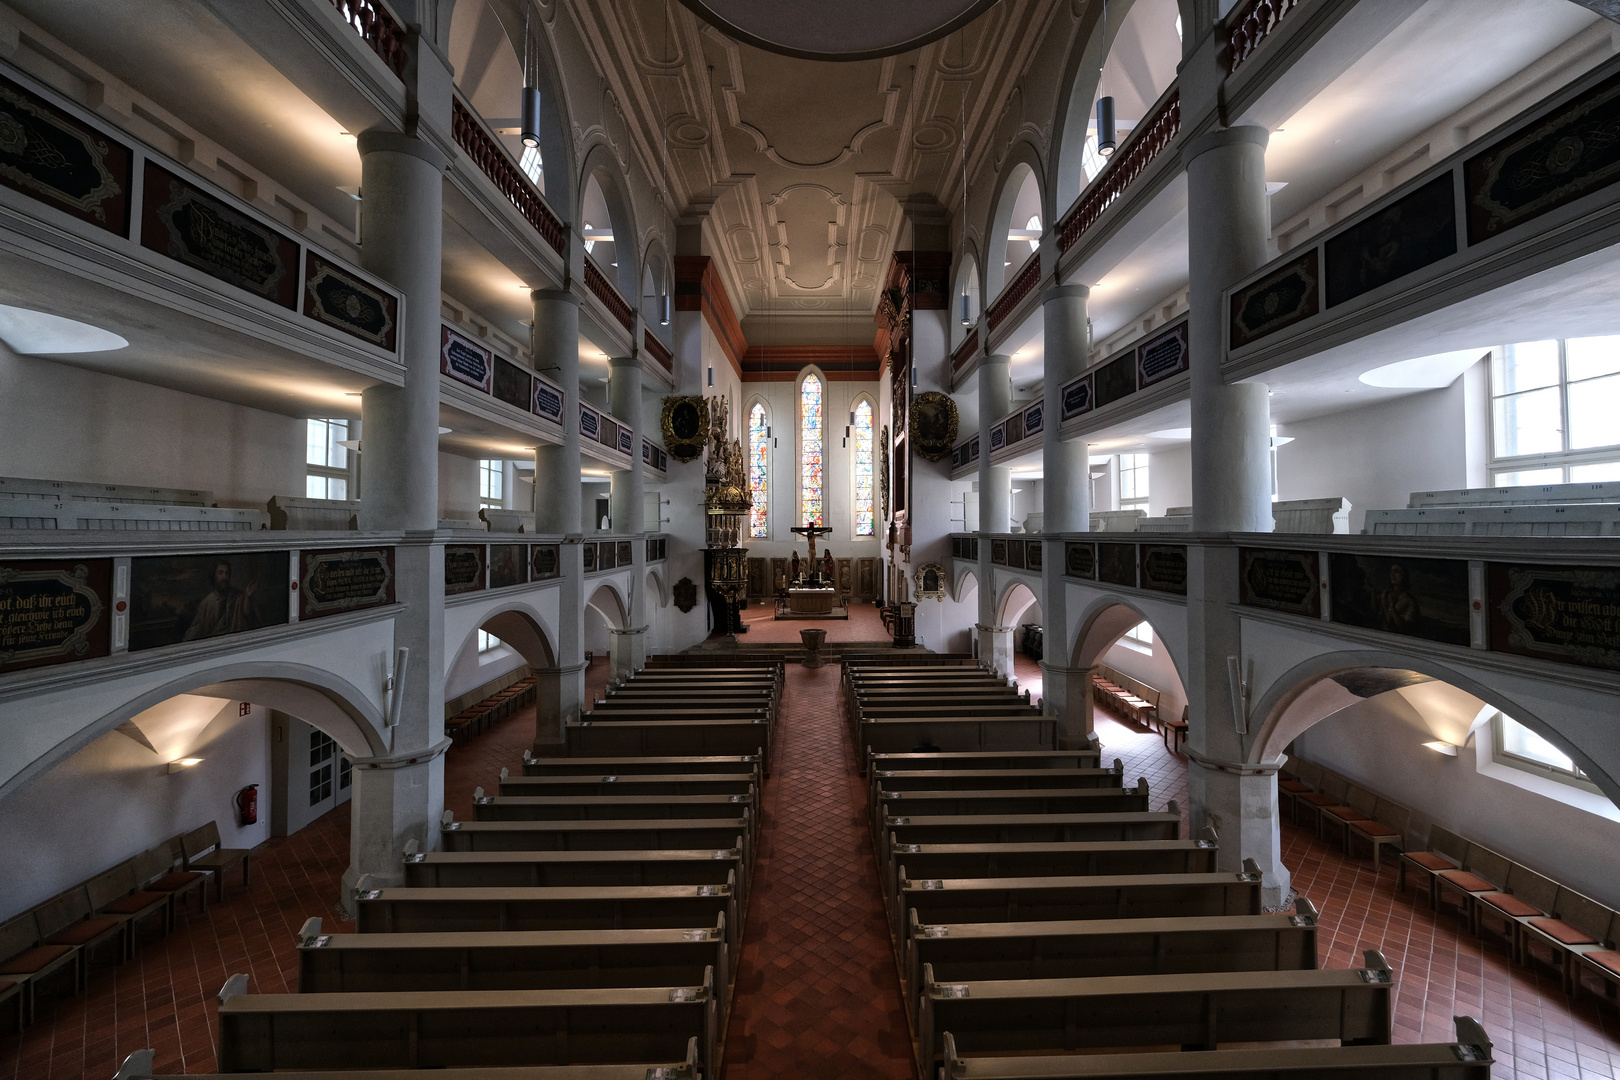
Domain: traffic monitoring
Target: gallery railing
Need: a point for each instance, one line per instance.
(603, 290)
(484, 151)
(1029, 275)
(1250, 26)
(658, 350)
(1130, 161)
(377, 28)
(964, 352)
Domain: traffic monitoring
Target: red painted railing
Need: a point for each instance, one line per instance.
(1250, 26)
(1147, 142)
(604, 291)
(658, 350)
(487, 154)
(964, 352)
(1021, 286)
(378, 28)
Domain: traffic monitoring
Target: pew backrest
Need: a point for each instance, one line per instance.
(1493, 866)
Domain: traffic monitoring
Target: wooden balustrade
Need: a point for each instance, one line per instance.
(1149, 140)
(1021, 286)
(964, 352)
(658, 350)
(487, 154)
(603, 290)
(378, 29)
(1250, 26)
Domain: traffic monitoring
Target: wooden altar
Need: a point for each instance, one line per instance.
(811, 601)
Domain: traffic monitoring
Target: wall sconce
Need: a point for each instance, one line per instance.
(1440, 746)
(184, 763)
(531, 116)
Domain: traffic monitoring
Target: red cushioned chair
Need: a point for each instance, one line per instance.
(116, 894)
(1358, 806)
(68, 919)
(1386, 828)
(204, 851)
(1575, 926)
(1482, 871)
(1334, 790)
(24, 961)
(1445, 852)
(1527, 896)
(155, 872)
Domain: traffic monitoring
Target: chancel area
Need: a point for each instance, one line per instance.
(966, 539)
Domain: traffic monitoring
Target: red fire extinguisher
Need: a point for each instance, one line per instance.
(247, 805)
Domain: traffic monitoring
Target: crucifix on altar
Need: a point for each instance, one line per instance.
(810, 530)
(810, 595)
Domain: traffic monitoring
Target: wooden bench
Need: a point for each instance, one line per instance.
(669, 711)
(606, 807)
(1035, 828)
(1075, 859)
(1005, 779)
(673, 783)
(204, 851)
(1102, 896)
(1121, 693)
(1085, 758)
(642, 738)
(67, 919)
(957, 733)
(156, 870)
(26, 961)
(1469, 1058)
(567, 907)
(717, 833)
(138, 1066)
(1087, 948)
(628, 765)
(513, 960)
(1089, 800)
(956, 709)
(116, 894)
(1194, 1010)
(429, 1029)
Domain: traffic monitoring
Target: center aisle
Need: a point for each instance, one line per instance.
(817, 992)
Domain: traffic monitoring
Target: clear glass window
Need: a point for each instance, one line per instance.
(1521, 748)
(491, 483)
(1553, 409)
(488, 642)
(1133, 481)
(530, 163)
(1141, 633)
(326, 459)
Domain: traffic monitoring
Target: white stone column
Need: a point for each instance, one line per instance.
(1065, 471)
(995, 484)
(560, 691)
(995, 647)
(399, 796)
(629, 485)
(627, 651)
(1229, 223)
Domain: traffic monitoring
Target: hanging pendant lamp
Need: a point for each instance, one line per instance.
(1106, 132)
(531, 116)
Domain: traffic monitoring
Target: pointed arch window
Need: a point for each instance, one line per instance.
(810, 450)
(759, 444)
(865, 472)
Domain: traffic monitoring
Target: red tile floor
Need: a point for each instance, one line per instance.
(817, 992)
(864, 624)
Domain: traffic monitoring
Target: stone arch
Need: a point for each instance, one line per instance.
(319, 698)
(1010, 605)
(603, 188)
(1133, 25)
(1022, 166)
(1104, 621)
(1307, 694)
(969, 279)
(486, 46)
(657, 280)
(607, 601)
(521, 628)
(967, 582)
(656, 588)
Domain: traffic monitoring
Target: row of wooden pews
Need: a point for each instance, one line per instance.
(583, 925)
(1049, 922)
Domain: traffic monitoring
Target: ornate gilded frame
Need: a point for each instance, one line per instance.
(935, 442)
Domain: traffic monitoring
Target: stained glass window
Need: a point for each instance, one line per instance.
(759, 445)
(810, 450)
(865, 452)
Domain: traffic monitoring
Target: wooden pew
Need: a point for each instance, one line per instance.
(718, 833)
(606, 807)
(514, 960)
(427, 1029)
(895, 761)
(500, 869)
(1194, 1010)
(957, 733)
(1469, 1058)
(1059, 860)
(1100, 896)
(671, 783)
(643, 738)
(1034, 828)
(955, 709)
(675, 708)
(1087, 948)
(567, 907)
(965, 801)
(627, 765)
(138, 1066)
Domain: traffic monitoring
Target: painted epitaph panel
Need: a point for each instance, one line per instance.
(175, 598)
(1080, 561)
(338, 581)
(338, 298)
(1280, 580)
(626, 552)
(1164, 568)
(607, 555)
(1162, 357)
(49, 155)
(1282, 298)
(1115, 380)
(548, 401)
(1567, 614)
(1116, 564)
(513, 385)
(545, 561)
(54, 612)
(1409, 234)
(998, 552)
(1570, 152)
(463, 568)
(507, 566)
(1032, 554)
(1015, 553)
(186, 223)
(1423, 598)
(465, 360)
(589, 553)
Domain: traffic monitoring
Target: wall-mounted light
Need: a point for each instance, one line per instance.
(531, 116)
(1106, 132)
(183, 764)
(1440, 746)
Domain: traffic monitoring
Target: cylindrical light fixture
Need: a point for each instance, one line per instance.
(967, 309)
(531, 116)
(1106, 138)
(663, 310)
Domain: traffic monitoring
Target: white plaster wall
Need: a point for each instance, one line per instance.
(59, 422)
(1378, 743)
(115, 798)
(1169, 480)
(472, 669)
(1377, 456)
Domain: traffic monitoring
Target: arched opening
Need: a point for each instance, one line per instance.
(1500, 772)
(1015, 230)
(967, 284)
(605, 610)
(487, 52)
(1124, 640)
(1137, 54)
(608, 227)
(656, 284)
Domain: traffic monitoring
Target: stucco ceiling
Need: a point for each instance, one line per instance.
(837, 29)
